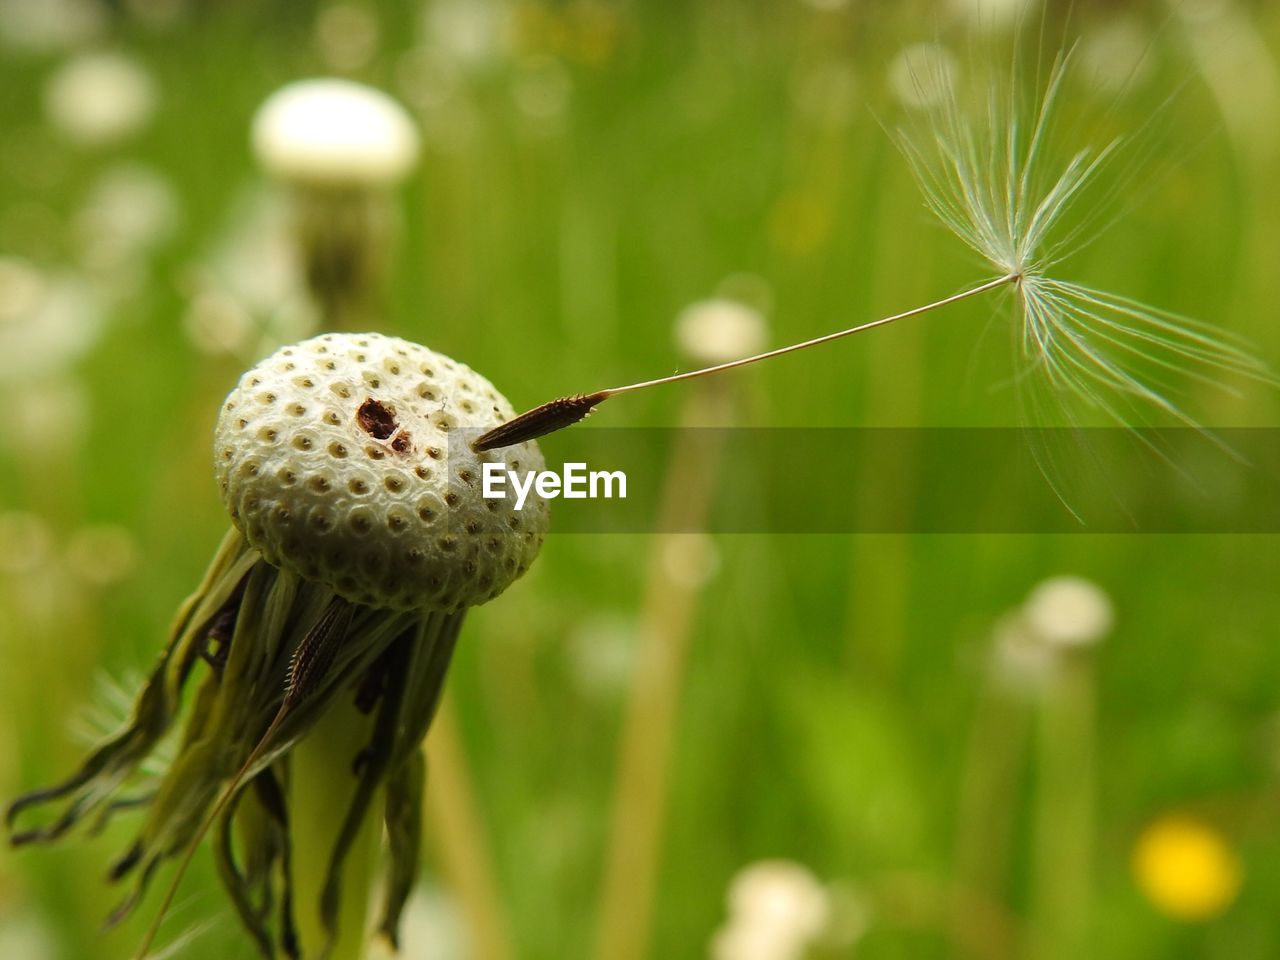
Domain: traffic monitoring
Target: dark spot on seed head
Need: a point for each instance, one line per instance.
(376, 419)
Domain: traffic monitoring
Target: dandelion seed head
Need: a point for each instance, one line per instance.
(718, 330)
(1068, 612)
(334, 132)
(778, 901)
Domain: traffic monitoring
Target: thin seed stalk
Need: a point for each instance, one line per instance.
(321, 788)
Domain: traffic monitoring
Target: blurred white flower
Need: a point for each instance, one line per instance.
(246, 296)
(254, 258)
(131, 205)
(25, 936)
(21, 289)
(334, 133)
(827, 93)
(47, 322)
(431, 928)
(43, 26)
(690, 559)
(541, 89)
(471, 33)
(922, 75)
(102, 554)
(993, 14)
(1068, 612)
(100, 98)
(744, 941)
(347, 35)
(55, 416)
(131, 209)
(1021, 663)
(602, 654)
(781, 893)
(158, 14)
(433, 85)
(1241, 70)
(26, 542)
(749, 289)
(777, 910)
(217, 323)
(719, 330)
(1117, 55)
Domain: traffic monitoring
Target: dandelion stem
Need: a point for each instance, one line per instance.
(568, 410)
(320, 791)
(630, 883)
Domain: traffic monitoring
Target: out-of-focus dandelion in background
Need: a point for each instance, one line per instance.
(758, 747)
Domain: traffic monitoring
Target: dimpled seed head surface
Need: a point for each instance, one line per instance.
(346, 459)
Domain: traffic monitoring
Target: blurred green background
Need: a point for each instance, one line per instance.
(842, 702)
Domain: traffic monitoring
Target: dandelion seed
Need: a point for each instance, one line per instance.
(992, 184)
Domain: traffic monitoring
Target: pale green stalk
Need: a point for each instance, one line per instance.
(1063, 814)
(632, 860)
(321, 787)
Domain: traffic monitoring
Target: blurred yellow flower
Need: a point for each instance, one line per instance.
(1186, 868)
